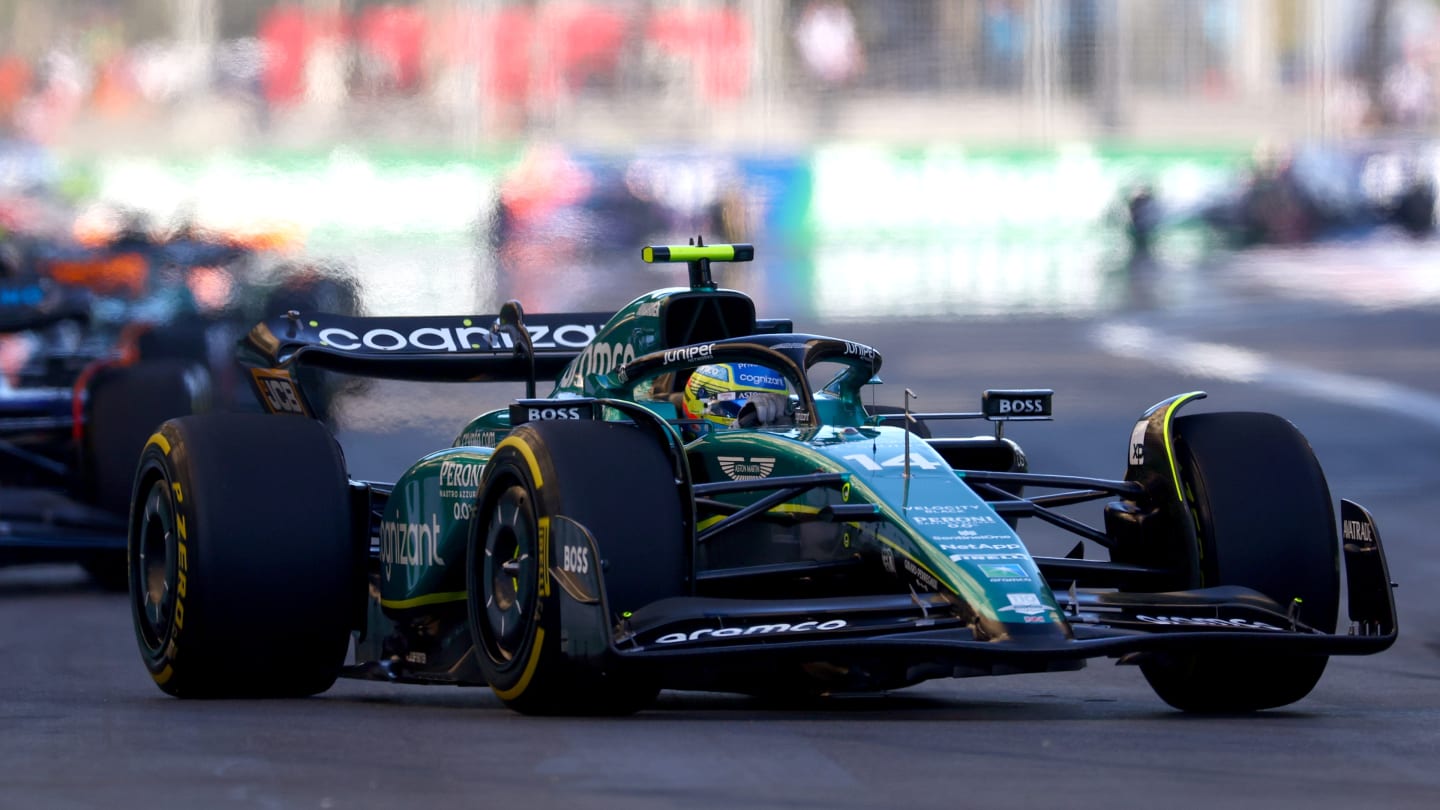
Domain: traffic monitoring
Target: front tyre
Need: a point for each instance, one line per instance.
(243, 572)
(1263, 520)
(612, 481)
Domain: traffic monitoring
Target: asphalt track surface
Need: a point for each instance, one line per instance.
(82, 726)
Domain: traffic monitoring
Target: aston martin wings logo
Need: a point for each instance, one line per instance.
(740, 468)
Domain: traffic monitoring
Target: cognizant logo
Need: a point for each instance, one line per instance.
(452, 338)
(409, 544)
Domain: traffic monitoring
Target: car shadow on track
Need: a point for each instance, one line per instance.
(985, 706)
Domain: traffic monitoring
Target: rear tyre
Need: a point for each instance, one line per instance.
(1264, 521)
(243, 572)
(543, 473)
(125, 405)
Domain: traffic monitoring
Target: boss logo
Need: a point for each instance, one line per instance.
(576, 559)
(1023, 406)
(1016, 404)
(551, 411)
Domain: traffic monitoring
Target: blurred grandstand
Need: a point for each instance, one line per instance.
(94, 75)
(989, 145)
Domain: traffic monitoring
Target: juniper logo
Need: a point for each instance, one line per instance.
(740, 468)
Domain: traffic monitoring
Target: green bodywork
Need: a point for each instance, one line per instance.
(937, 533)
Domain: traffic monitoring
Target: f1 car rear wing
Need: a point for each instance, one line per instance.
(510, 346)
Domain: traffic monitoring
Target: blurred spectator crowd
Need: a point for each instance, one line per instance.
(513, 58)
(503, 68)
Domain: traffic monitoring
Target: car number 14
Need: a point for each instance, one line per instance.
(898, 461)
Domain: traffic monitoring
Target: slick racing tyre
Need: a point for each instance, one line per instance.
(125, 405)
(1264, 521)
(616, 483)
(244, 575)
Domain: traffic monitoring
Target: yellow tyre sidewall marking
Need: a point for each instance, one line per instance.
(543, 572)
(159, 440)
(534, 658)
(162, 677)
(524, 449)
(182, 567)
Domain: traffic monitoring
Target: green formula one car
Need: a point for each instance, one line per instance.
(703, 501)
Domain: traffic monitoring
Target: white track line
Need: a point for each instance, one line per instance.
(1235, 364)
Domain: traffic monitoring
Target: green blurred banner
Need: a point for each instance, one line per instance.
(836, 192)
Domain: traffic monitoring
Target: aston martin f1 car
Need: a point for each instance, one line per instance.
(582, 550)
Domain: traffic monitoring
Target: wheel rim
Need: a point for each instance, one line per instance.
(154, 568)
(508, 575)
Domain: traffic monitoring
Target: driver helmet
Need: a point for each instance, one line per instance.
(717, 392)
